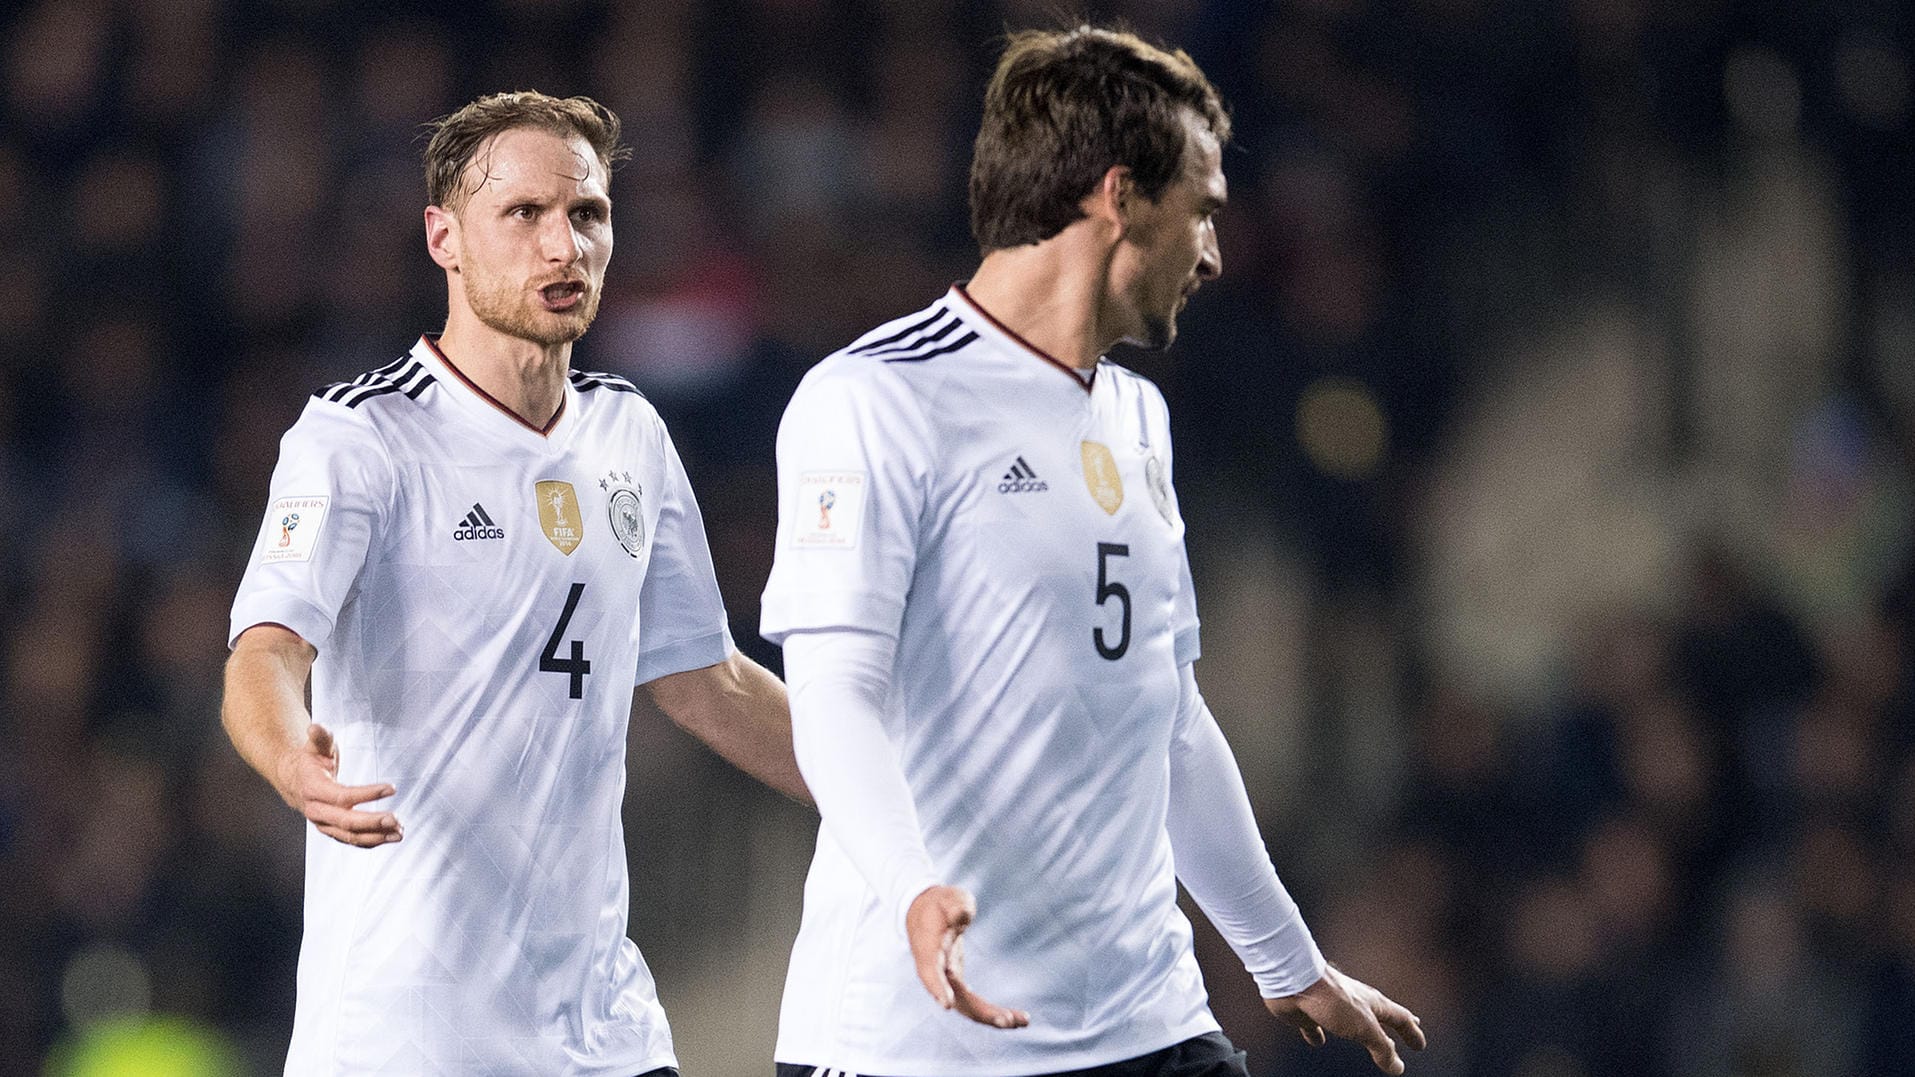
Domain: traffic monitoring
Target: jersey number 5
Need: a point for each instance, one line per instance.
(1108, 589)
(576, 665)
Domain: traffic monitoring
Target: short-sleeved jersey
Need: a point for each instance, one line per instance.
(483, 597)
(1015, 530)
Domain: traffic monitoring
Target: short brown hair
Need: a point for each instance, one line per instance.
(457, 138)
(1064, 107)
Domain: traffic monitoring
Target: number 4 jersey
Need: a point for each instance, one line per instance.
(483, 597)
(1014, 529)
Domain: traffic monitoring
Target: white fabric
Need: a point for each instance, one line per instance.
(1221, 857)
(1039, 769)
(491, 939)
(838, 679)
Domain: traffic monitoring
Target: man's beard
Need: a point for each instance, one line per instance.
(1159, 331)
(506, 309)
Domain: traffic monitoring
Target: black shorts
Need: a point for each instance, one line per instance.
(1209, 1055)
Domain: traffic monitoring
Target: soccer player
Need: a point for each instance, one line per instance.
(989, 629)
(476, 552)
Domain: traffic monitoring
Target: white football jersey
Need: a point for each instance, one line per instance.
(1015, 530)
(483, 597)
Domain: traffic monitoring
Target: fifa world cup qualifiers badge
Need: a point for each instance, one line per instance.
(292, 529)
(829, 510)
(625, 506)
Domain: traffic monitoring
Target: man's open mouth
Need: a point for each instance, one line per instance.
(562, 296)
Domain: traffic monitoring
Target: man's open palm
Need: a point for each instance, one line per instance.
(935, 925)
(309, 781)
(1348, 1008)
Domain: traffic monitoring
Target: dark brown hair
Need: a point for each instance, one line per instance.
(457, 138)
(1064, 107)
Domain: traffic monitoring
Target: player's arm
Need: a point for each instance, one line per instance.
(741, 712)
(1222, 860)
(330, 491)
(855, 460)
(839, 678)
(265, 715)
(688, 663)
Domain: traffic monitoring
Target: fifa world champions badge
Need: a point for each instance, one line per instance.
(625, 506)
(559, 515)
(829, 510)
(292, 529)
(1101, 478)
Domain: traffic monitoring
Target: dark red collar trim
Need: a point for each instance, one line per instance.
(490, 399)
(1069, 371)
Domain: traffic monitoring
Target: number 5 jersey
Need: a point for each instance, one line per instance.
(1013, 528)
(483, 596)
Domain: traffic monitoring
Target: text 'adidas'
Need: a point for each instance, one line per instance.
(1021, 480)
(477, 525)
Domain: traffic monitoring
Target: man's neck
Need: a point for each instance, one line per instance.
(1048, 293)
(527, 378)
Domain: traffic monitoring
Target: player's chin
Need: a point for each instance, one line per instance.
(1158, 333)
(563, 327)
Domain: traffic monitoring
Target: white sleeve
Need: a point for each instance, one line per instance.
(854, 467)
(682, 623)
(1222, 859)
(838, 679)
(331, 493)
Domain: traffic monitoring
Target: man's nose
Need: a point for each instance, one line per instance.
(1210, 261)
(560, 241)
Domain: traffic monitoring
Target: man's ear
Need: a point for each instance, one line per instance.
(442, 237)
(1112, 200)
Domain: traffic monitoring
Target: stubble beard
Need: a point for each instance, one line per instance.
(500, 307)
(1159, 332)
(1157, 328)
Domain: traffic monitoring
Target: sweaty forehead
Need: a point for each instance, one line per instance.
(528, 161)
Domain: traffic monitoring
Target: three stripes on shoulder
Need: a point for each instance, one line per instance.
(926, 340)
(409, 376)
(405, 375)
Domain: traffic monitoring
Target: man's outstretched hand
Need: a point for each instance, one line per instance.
(308, 779)
(1348, 1008)
(935, 925)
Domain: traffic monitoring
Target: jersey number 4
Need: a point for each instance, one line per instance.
(1108, 589)
(576, 666)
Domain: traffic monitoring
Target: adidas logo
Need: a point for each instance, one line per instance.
(477, 525)
(1021, 480)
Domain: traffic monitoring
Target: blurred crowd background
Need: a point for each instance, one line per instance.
(1546, 448)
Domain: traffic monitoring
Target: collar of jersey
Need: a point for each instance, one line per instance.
(483, 405)
(979, 319)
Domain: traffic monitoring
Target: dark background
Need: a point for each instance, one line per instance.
(1545, 448)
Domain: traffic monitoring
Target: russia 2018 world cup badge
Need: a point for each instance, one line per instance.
(626, 509)
(1159, 484)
